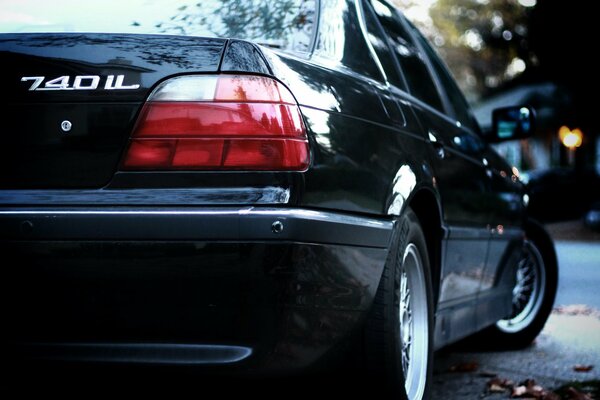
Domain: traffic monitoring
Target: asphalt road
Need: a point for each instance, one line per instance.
(579, 279)
(571, 337)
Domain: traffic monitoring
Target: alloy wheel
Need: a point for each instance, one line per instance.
(528, 292)
(414, 323)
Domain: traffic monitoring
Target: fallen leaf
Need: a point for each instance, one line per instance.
(464, 367)
(576, 309)
(518, 391)
(551, 396)
(583, 368)
(574, 394)
(496, 388)
(499, 385)
(528, 389)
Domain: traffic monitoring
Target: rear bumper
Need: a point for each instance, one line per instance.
(245, 224)
(252, 288)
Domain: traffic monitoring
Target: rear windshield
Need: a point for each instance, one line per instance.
(285, 24)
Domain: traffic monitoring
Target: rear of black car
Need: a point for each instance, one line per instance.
(150, 208)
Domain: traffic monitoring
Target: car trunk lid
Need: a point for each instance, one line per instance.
(71, 100)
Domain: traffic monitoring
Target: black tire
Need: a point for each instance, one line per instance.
(503, 335)
(383, 332)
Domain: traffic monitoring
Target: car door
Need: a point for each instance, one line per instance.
(506, 238)
(501, 198)
(460, 175)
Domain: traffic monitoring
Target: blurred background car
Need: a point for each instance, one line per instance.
(592, 218)
(558, 194)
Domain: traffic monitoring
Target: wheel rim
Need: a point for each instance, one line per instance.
(528, 293)
(414, 323)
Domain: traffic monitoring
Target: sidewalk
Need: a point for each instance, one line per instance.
(572, 231)
(567, 341)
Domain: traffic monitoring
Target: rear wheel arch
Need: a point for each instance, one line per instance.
(425, 205)
(400, 324)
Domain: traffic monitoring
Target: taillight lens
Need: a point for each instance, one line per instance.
(219, 122)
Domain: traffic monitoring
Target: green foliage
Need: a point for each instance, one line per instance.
(484, 42)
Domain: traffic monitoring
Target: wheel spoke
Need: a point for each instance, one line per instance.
(528, 291)
(525, 288)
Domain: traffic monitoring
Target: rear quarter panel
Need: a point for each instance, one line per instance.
(368, 152)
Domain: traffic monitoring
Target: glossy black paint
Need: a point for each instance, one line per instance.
(244, 56)
(375, 150)
(289, 303)
(143, 59)
(37, 153)
(219, 224)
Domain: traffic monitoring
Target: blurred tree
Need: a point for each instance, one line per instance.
(484, 42)
(565, 37)
(262, 20)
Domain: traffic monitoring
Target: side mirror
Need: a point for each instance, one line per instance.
(511, 123)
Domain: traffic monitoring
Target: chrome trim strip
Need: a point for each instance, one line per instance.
(115, 197)
(144, 353)
(365, 33)
(475, 233)
(50, 213)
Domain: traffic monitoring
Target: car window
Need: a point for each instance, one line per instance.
(340, 38)
(457, 100)
(377, 39)
(415, 70)
(288, 25)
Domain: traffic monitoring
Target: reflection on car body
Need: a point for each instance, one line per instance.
(256, 205)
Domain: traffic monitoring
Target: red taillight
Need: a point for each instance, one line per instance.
(219, 123)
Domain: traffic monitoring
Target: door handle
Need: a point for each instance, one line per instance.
(488, 170)
(438, 146)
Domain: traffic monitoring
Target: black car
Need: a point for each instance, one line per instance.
(560, 194)
(256, 200)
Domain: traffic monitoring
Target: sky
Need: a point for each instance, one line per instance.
(83, 16)
(418, 10)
